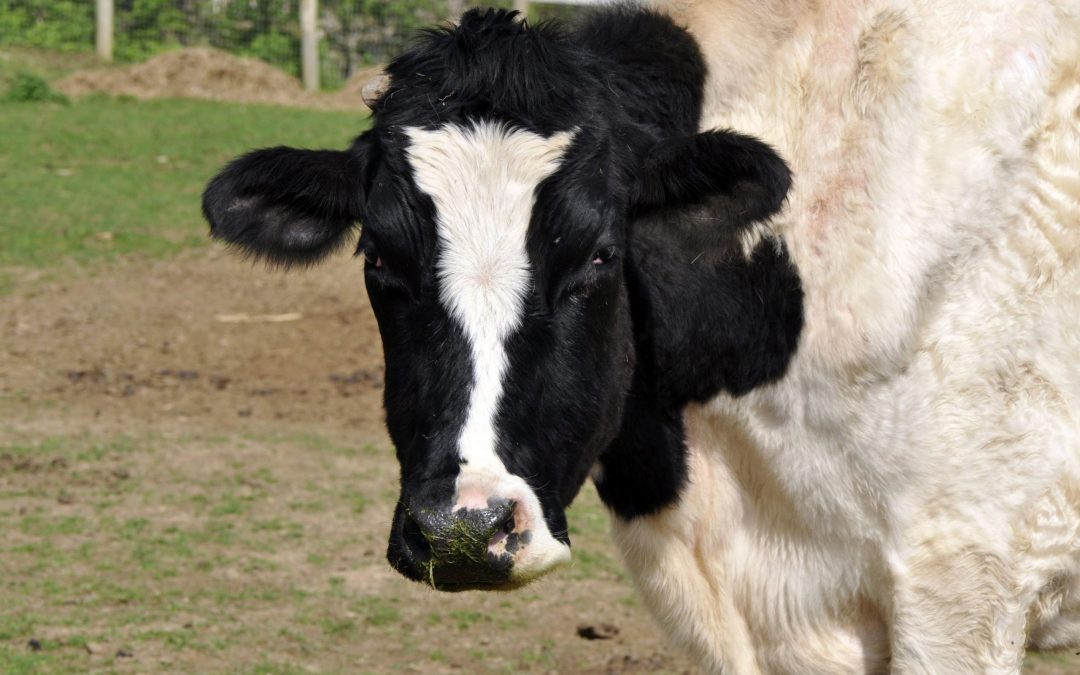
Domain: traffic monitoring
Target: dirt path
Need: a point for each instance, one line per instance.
(204, 342)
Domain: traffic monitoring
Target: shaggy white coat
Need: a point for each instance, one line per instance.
(911, 489)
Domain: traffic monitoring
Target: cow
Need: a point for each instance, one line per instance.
(794, 283)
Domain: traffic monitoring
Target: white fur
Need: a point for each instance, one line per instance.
(482, 180)
(911, 489)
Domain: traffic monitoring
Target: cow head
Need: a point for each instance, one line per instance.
(558, 262)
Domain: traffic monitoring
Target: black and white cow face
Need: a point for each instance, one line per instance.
(553, 255)
(508, 352)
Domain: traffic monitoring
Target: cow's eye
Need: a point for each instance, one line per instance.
(372, 259)
(389, 277)
(604, 255)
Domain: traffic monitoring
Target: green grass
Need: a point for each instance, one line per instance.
(103, 178)
(173, 580)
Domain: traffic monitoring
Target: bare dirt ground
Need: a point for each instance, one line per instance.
(194, 477)
(197, 343)
(207, 73)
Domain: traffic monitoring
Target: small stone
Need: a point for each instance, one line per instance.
(604, 631)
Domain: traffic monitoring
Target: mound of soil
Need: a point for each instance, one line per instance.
(204, 72)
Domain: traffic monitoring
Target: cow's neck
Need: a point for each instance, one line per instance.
(644, 468)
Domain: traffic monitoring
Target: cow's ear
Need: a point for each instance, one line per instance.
(695, 169)
(288, 206)
(717, 300)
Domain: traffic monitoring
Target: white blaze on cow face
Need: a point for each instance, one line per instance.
(483, 180)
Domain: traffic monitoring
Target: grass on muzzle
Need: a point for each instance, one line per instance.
(101, 178)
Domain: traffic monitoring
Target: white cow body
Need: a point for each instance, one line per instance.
(910, 490)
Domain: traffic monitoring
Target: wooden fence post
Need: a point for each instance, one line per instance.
(522, 6)
(104, 37)
(309, 44)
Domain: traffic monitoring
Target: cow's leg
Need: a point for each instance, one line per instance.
(1055, 621)
(958, 608)
(676, 559)
(742, 599)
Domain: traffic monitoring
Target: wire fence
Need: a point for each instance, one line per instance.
(353, 34)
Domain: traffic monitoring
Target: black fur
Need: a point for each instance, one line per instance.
(643, 299)
(287, 206)
(692, 169)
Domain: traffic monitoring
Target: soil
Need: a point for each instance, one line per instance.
(192, 342)
(207, 73)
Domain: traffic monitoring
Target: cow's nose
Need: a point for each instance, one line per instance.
(463, 548)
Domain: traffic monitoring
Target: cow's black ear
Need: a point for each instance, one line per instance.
(717, 301)
(288, 206)
(694, 169)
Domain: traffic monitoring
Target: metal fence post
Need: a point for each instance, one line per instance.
(309, 44)
(104, 37)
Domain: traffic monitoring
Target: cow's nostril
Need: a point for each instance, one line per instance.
(508, 523)
(415, 541)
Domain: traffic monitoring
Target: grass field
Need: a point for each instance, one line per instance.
(103, 177)
(207, 553)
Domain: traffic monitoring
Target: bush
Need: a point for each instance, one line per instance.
(62, 25)
(28, 88)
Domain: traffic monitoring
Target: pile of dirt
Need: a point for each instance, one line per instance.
(207, 73)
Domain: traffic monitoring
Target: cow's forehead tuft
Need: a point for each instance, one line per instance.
(490, 64)
(482, 179)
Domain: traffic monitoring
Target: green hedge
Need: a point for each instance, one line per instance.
(62, 25)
